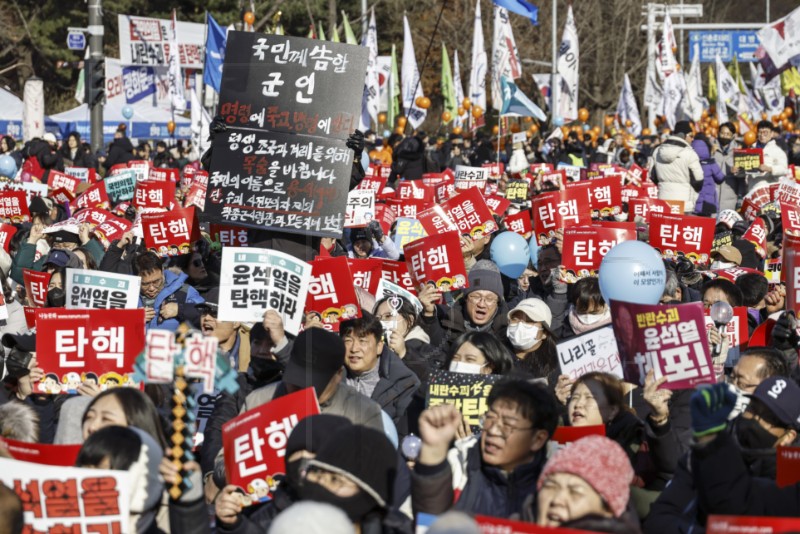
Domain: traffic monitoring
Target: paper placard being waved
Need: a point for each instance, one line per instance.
(331, 292)
(171, 233)
(120, 186)
(229, 236)
(36, 285)
(366, 272)
(154, 195)
(559, 209)
(112, 228)
(735, 524)
(254, 280)
(466, 391)
(93, 197)
(397, 273)
(7, 232)
(14, 207)
(407, 230)
(470, 214)
(592, 351)
(101, 290)
(518, 191)
(585, 246)
(83, 174)
(41, 453)
(360, 208)
(255, 443)
(669, 339)
(520, 223)
(790, 219)
(69, 499)
(58, 180)
(97, 346)
(437, 259)
(791, 272)
(682, 235)
(645, 208)
(467, 177)
(748, 159)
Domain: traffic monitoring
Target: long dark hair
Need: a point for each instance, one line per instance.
(139, 411)
(542, 362)
(498, 357)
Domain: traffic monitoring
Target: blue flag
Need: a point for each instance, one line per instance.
(521, 7)
(516, 103)
(215, 53)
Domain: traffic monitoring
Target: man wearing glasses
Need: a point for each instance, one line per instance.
(165, 296)
(776, 163)
(491, 473)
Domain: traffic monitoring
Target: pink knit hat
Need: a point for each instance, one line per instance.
(602, 463)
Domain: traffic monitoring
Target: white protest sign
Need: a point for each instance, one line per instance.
(387, 289)
(593, 351)
(32, 189)
(145, 41)
(477, 174)
(360, 209)
(101, 290)
(255, 280)
(519, 137)
(69, 499)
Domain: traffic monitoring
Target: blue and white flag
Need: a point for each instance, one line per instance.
(521, 7)
(215, 53)
(516, 103)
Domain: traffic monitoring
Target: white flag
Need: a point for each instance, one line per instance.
(505, 57)
(781, 40)
(674, 89)
(369, 103)
(666, 63)
(201, 122)
(477, 78)
(727, 91)
(568, 59)
(695, 102)
(459, 89)
(175, 76)
(627, 110)
(412, 88)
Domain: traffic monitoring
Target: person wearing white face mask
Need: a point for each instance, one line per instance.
(479, 353)
(529, 335)
(588, 310)
(725, 257)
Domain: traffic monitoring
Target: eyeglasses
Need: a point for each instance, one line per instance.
(208, 311)
(489, 419)
(153, 283)
(477, 299)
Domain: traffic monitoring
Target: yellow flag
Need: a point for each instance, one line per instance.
(712, 85)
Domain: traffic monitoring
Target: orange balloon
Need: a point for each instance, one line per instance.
(401, 121)
(466, 103)
(763, 115)
(495, 129)
(515, 128)
(714, 122)
(704, 114)
(786, 124)
(776, 118)
(447, 116)
(460, 111)
(381, 117)
(249, 17)
(596, 129)
(565, 130)
(647, 131)
(171, 127)
(457, 130)
(528, 134)
(628, 123)
(583, 114)
(750, 138)
(788, 111)
(609, 120)
(534, 128)
(399, 130)
(423, 102)
(527, 120)
(477, 112)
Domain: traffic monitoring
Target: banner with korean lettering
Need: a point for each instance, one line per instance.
(36, 285)
(76, 346)
(790, 219)
(366, 272)
(559, 209)
(120, 186)
(682, 235)
(773, 271)
(331, 292)
(518, 191)
(668, 339)
(57, 180)
(292, 85)
(785, 191)
(753, 201)
(748, 159)
(736, 331)
(372, 183)
(757, 235)
(585, 246)
(83, 174)
(791, 272)
(415, 189)
(229, 236)
(407, 230)
(154, 195)
(7, 231)
(360, 209)
(397, 273)
(41, 453)
(254, 280)
(468, 392)
(101, 290)
(520, 223)
(437, 259)
(592, 351)
(69, 499)
(14, 207)
(93, 197)
(170, 233)
(605, 197)
(112, 228)
(470, 213)
(645, 207)
(745, 524)
(467, 177)
(435, 220)
(255, 443)
(159, 174)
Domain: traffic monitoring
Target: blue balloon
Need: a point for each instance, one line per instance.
(632, 271)
(534, 248)
(586, 127)
(558, 121)
(8, 167)
(127, 112)
(365, 160)
(510, 252)
(386, 134)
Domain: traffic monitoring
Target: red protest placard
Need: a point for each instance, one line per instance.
(495, 169)
(196, 195)
(366, 273)
(748, 159)
(255, 442)
(58, 180)
(229, 236)
(753, 202)
(730, 524)
(187, 176)
(170, 233)
(36, 284)
(585, 246)
(669, 339)
(435, 220)
(491, 525)
(382, 171)
(159, 174)
(757, 235)
(385, 217)
(396, 272)
(791, 272)
(568, 434)
(112, 228)
(788, 468)
(645, 207)
(520, 223)
(636, 175)
(790, 218)
(14, 206)
(605, 197)
(93, 216)
(444, 189)
(41, 453)
(682, 235)
(7, 231)
(407, 207)
(630, 191)
(62, 196)
(559, 209)
(437, 259)
(73, 346)
(331, 292)
(732, 273)
(470, 213)
(154, 195)
(497, 204)
(141, 167)
(93, 197)
(538, 168)
(414, 189)
(552, 179)
(373, 183)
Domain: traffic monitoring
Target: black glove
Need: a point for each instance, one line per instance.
(784, 333)
(374, 227)
(218, 125)
(356, 143)
(710, 407)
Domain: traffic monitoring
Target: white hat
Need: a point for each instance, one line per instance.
(50, 137)
(535, 309)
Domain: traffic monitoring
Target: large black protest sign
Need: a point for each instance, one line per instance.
(291, 84)
(291, 183)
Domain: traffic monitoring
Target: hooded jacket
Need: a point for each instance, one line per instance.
(707, 201)
(395, 389)
(676, 166)
(120, 151)
(175, 290)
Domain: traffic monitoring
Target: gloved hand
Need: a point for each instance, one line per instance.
(710, 407)
(784, 333)
(217, 126)
(374, 227)
(559, 287)
(356, 143)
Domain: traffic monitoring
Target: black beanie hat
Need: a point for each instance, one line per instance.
(683, 127)
(363, 455)
(311, 432)
(317, 355)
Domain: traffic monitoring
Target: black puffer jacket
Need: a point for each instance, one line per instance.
(120, 151)
(449, 323)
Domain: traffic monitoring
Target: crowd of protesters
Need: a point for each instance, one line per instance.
(376, 457)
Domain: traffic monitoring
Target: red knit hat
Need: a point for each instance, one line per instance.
(599, 461)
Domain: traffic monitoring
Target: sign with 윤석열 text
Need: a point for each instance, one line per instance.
(92, 289)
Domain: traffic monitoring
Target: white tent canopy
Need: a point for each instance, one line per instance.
(10, 114)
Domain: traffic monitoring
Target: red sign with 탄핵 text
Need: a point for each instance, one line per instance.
(468, 210)
(76, 346)
(682, 235)
(585, 246)
(331, 292)
(153, 194)
(559, 209)
(36, 284)
(255, 443)
(7, 231)
(437, 259)
(396, 272)
(366, 273)
(170, 233)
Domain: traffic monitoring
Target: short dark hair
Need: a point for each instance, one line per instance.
(733, 293)
(764, 124)
(775, 363)
(497, 355)
(407, 310)
(754, 288)
(119, 444)
(367, 324)
(139, 411)
(730, 126)
(586, 292)
(147, 262)
(536, 403)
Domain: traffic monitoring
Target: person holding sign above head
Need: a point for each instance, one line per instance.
(775, 162)
(371, 242)
(491, 473)
(166, 298)
(233, 337)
